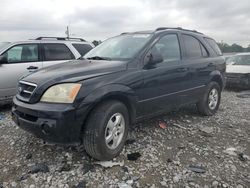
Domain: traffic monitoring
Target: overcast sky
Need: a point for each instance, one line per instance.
(227, 20)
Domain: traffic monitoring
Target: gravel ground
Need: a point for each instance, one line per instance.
(187, 150)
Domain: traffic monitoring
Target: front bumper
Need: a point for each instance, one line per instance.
(238, 80)
(56, 123)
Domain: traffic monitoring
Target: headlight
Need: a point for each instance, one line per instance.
(61, 93)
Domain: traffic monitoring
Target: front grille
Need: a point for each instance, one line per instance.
(233, 76)
(25, 90)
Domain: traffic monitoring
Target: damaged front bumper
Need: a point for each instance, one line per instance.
(55, 123)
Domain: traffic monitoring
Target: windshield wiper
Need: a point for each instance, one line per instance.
(99, 58)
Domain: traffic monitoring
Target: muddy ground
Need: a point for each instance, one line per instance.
(188, 150)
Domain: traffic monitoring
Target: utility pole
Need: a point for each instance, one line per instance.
(67, 32)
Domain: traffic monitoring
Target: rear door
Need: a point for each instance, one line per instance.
(21, 59)
(197, 58)
(55, 53)
(165, 81)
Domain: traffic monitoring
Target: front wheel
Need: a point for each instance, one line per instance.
(106, 130)
(210, 102)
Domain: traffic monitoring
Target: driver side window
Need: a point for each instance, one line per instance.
(168, 48)
(22, 53)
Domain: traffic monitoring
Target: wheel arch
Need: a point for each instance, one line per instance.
(116, 92)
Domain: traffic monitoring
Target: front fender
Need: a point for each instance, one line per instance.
(111, 91)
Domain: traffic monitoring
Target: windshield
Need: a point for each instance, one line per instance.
(239, 60)
(122, 47)
(2, 44)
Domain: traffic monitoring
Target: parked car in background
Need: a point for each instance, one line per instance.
(238, 71)
(125, 79)
(19, 58)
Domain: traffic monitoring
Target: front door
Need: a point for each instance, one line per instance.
(20, 60)
(166, 80)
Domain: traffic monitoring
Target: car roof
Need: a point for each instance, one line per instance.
(168, 29)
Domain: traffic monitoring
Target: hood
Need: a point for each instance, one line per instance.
(74, 71)
(242, 69)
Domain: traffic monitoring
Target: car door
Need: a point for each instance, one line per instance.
(165, 80)
(200, 66)
(19, 60)
(55, 53)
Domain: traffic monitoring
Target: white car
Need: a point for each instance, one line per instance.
(238, 71)
(21, 58)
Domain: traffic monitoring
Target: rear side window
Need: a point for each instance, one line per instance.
(53, 52)
(82, 48)
(194, 48)
(214, 46)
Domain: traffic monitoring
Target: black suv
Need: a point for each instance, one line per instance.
(125, 79)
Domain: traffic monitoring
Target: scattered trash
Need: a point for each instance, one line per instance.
(242, 157)
(125, 169)
(28, 156)
(130, 141)
(231, 151)
(169, 160)
(65, 168)
(109, 164)
(179, 126)
(2, 116)
(162, 125)
(81, 184)
(124, 185)
(23, 177)
(133, 156)
(39, 167)
(87, 167)
(206, 131)
(197, 169)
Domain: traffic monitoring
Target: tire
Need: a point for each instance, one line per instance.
(98, 131)
(207, 106)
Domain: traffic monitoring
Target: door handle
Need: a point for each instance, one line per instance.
(182, 69)
(32, 68)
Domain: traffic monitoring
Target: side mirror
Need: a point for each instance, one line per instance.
(3, 59)
(153, 57)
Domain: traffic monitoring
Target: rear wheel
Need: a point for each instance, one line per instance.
(210, 102)
(106, 130)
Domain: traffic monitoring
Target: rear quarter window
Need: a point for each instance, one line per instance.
(214, 46)
(82, 48)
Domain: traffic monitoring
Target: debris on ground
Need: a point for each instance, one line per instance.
(179, 126)
(2, 116)
(87, 168)
(39, 167)
(162, 125)
(129, 141)
(242, 157)
(133, 156)
(109, 164)
(124, 185)
(231, 151)
(197, 169)
(65, 168)
(81, 184)
(243, 95)
(28, 156)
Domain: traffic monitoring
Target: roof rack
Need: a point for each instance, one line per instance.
(177, 28)
(61, 38)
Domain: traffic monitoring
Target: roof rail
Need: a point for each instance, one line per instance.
(61, 38)
(177, 28)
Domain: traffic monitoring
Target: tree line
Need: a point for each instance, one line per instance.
(226, 48)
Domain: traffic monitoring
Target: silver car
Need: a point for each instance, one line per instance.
(21, 58)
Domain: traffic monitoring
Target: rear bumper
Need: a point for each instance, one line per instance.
(56, 123)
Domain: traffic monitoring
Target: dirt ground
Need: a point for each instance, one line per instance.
(188, 150)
